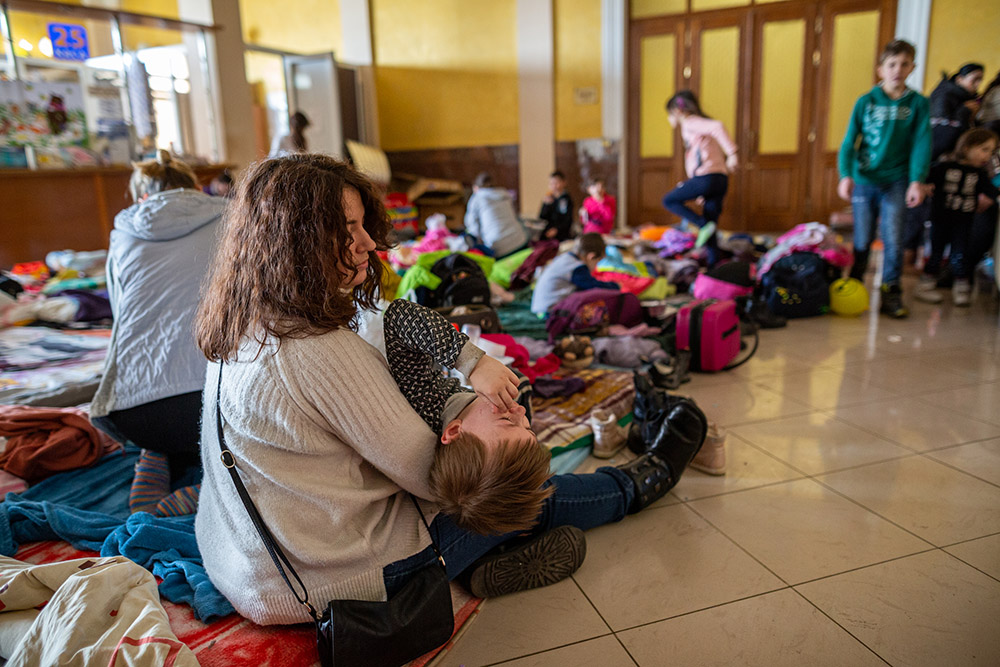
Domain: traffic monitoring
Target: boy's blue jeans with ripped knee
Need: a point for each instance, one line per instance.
(884, 205)
(584, 501)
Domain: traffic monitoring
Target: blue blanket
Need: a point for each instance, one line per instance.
(89, 509)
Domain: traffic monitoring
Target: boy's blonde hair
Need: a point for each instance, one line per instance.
(159, 175)
(490, 492)
(895, 48)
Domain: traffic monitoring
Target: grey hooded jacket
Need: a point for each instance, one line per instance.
(490, 218)
(159, 255)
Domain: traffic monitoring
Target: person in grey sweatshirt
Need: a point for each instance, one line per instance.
(160, 251)
(490, 218)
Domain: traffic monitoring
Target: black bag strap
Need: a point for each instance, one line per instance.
(274, 550)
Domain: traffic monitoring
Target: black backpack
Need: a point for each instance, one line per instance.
(798, 285)
(462, 283)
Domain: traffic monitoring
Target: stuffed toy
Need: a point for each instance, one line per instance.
(576, 352)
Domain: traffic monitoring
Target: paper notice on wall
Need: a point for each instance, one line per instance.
(140, 99)
(14, 123)
(44, 115)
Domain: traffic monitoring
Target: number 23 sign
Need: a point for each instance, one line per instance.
(69, 42)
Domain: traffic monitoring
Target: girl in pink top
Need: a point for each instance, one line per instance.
(599, 209)
(709, 156)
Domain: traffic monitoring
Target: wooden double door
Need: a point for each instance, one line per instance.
(783, 79)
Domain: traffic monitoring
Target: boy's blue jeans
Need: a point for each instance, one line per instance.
(885, 204)
(584, 501)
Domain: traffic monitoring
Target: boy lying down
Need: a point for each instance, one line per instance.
(488, 469)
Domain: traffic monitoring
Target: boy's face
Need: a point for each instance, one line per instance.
(895, 69)
(591, 259)
(556, 185)
(494, 428)
(979, 156)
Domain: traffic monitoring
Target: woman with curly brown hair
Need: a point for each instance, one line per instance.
(327, 446)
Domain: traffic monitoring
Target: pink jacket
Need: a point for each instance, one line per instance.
(707, 145)
(600, 215)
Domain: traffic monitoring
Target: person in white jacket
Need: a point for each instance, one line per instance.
(490, 218)
(150, 392)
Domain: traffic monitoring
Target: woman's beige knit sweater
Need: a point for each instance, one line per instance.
(324, 442)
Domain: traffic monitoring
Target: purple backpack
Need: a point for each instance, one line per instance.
(591, 310)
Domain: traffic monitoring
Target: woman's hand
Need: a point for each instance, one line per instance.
(495, 382)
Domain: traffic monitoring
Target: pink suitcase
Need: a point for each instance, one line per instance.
(711, 330)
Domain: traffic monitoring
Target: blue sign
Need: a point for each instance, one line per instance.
(69, 42)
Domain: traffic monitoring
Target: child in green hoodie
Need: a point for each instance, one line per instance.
(883, 162)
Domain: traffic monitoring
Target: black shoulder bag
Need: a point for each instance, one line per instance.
(416, 620)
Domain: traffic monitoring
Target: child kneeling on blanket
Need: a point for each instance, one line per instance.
(488, 470)
(570, 272)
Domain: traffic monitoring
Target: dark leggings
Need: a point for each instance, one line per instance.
(710, 186)
(953, 233)
(170, 426)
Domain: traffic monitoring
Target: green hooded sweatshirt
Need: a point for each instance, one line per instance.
(887, 140)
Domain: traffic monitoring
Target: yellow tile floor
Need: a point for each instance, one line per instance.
(858, 522)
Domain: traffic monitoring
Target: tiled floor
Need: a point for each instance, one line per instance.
(858, 523)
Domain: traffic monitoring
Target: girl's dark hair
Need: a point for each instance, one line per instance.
(297, 124)
(685, 100)
(965, 70)
(285, 253)
(970, 139)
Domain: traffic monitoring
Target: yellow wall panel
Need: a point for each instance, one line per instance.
(658, 62)
(577, 66)
(446, 73)
(646, 8)
(299, 26)
(702, 5)
(962, 31)
(855, 52)
(781, 86)
(720, 51)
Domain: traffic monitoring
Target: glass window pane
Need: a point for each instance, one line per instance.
(701, 5)
(30, 33)
(855, 49)
(781, 85)
(266, 75)
(646, 8)
(720, 54)
(656, 85)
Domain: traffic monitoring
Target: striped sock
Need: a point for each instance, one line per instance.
(182, 501)
(150, 483)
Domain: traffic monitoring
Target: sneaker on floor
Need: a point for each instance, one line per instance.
(892, 302)
(609, 437)
(711, 458)
(961, 292)
(532, 563)
(926, 290)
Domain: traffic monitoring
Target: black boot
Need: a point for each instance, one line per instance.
(672, 373)
(860, 264)
(647, 412)
(525, 563)
(652, 478)
(682, 433)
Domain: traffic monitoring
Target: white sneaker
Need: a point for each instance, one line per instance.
(926, 290)
(609, 437)
(961, 292)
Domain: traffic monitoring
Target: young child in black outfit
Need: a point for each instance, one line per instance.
(488, 470)
(557, 209)
(961, 187)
